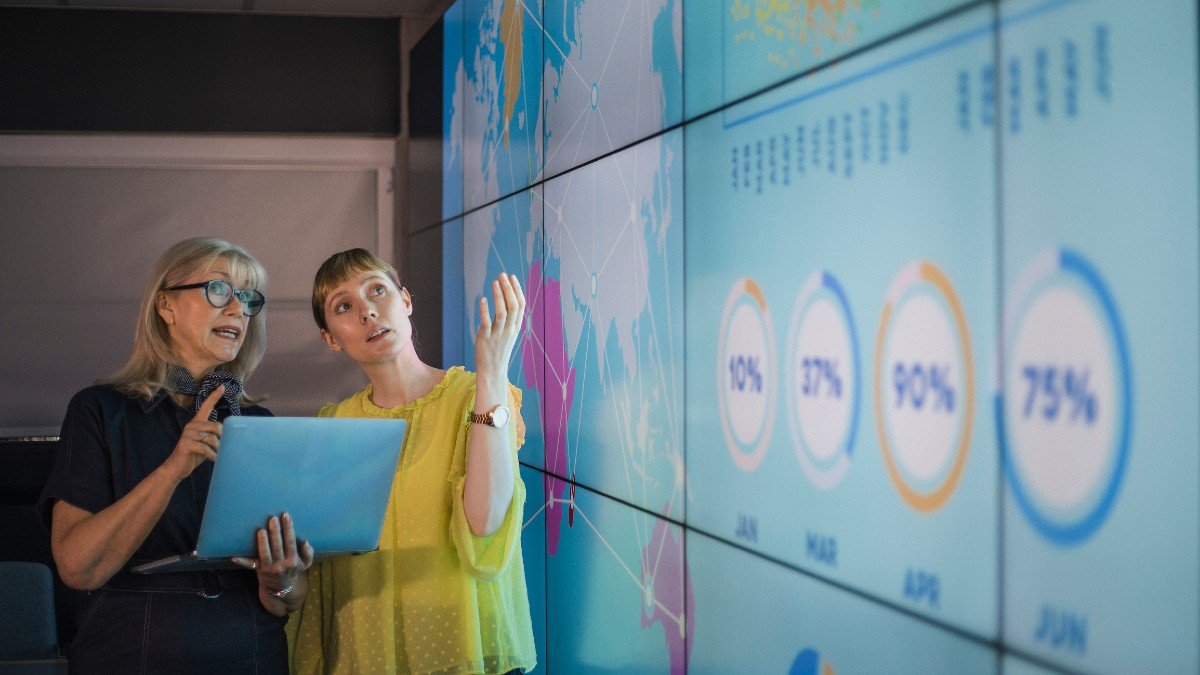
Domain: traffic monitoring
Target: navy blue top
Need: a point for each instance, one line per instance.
(109, 443)
(181, 622)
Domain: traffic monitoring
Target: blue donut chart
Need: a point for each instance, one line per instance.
(823, 477)
(1072, 534)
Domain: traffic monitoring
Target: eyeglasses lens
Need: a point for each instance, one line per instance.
(218, 293)
(251, 300)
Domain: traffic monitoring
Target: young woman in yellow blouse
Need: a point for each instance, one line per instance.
(445, 592)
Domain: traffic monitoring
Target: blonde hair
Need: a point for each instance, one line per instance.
(340, 267)
(145, 373)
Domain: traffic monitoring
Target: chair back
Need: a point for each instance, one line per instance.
(27, 626)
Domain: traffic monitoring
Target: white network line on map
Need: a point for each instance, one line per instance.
(621, 561)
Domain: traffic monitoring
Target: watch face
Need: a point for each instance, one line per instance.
(499, 416)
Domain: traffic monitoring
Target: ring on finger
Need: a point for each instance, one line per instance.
(203, 435)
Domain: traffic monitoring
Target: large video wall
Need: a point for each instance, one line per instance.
(863, 335)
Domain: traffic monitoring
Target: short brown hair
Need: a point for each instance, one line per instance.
(339, 267)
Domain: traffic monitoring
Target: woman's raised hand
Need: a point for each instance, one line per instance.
(199, 440)
(497, 336)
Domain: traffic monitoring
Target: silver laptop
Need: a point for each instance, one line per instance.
(333, 475)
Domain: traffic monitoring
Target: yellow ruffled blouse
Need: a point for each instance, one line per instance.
(434, 598)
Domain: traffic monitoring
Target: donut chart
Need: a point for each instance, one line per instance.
(822, 375)
(1064, 416)
(746, 386)
(924, 385)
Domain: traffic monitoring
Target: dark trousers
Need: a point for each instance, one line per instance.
(170, 632)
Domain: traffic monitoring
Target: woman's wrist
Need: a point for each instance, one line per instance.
(167, 476)
(280, 593)
(287, 599)
(490, 391)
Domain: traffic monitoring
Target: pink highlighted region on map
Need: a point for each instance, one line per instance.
(554, 380)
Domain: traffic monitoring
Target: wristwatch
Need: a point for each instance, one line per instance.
(496, 417)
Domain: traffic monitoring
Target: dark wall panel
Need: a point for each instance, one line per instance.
(92, 70)
(425, 146)
(422, 275)
(425, 85)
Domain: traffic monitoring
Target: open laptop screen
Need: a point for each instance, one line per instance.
(333, 475)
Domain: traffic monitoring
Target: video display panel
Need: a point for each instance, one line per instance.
(1098, 418)
(885, 313)
(614, 280)
(841, 257)
(613, 75)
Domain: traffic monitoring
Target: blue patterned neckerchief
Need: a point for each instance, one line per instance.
(180, 381)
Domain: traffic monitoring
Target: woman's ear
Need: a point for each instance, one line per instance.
(329, 341)
(166, 309)
(407, 298)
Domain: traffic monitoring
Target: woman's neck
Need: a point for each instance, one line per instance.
(400, 381)
(198, 370)
(182, 400)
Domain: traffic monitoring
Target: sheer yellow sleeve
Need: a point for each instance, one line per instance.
(485, 557)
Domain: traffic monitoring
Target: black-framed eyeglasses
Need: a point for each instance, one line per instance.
(220, 293)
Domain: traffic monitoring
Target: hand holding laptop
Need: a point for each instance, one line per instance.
(280, 558)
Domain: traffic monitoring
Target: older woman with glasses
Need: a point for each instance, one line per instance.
(131, 478)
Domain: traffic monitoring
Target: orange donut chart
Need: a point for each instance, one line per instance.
(924, 271)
